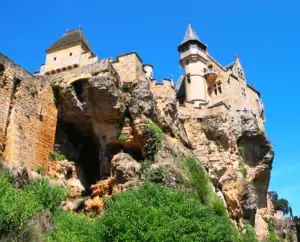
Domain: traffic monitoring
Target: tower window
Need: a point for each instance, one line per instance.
(71, 54)
(188, 78)
(55, 58)
(217, 88)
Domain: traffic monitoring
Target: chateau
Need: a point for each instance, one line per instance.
(205, 85)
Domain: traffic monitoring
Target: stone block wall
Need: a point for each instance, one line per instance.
(129, 68)
(28, 115)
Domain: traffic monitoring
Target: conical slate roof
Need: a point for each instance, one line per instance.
(70, 37)
(190, 34)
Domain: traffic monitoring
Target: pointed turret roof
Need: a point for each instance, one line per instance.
(190, 34)
(70, 37)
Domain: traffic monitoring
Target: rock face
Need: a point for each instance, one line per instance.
(238, 158)
(100, 118)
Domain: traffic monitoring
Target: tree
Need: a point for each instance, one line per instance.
(280, 204)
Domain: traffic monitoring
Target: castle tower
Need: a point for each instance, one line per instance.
(193, 59)
(70, 51)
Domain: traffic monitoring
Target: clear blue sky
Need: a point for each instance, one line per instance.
(264, 33)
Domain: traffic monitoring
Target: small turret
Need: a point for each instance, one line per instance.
(193, 58)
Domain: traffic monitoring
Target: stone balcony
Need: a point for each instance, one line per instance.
(211, 75)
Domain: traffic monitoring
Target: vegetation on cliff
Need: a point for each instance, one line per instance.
(151, 212)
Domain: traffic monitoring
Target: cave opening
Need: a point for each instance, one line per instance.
(79, 144)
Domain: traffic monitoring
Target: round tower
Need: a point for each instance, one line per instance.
(193, 59)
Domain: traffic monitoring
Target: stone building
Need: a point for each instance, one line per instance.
(211, 87)
(68, 52)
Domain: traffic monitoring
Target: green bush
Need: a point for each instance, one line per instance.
(16, 207)
(49, 196)
(6, 173)
(201, 186)
(157, 213)
(34, 93)
(242, 167)
(122, 137)
(271, 226)
(155, 174)
(154, 136)
(70, 226)
(54, 155)
(272, 237)
(127, 121)
(53, 82)
(248, 234)
(40, 170)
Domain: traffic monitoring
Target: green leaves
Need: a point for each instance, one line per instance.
(153, 138)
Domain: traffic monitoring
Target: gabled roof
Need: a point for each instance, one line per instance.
(70, 37)
(190, 34)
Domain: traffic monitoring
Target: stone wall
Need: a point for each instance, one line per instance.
(129, 67)
(27, 116)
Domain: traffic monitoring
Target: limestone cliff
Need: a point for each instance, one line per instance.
(100, 126)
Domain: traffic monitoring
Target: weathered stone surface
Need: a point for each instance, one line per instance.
(94, 205)
(125, 170)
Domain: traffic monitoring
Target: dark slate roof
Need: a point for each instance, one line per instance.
(190, 34)
(70, 37)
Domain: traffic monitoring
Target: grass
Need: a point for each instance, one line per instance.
(55, 155)
(127, 120)
(200, 185)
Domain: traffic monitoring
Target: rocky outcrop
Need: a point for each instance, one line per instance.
(125, 170)
(237, 156)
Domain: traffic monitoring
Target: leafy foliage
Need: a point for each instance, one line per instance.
(71, 226)
(156, 213)
(55, 155)
(154, 136)
(242, 168)
(155, 174)
(280, 204)
(40, 170)
(122, 137)
(16, 207)
(48, 196)
(248, 234)
(201, 186)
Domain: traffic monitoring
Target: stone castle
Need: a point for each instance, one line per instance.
(83, 106)
(205, 85)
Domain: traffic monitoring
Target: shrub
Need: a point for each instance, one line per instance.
(34, 93)
(40, 170)
(49, 196)
(6, 173)
(155, 174)
(157, 213)
(127, 121)
(55, 155)
(154, 136)
(201, 186)
(95, 73)
(16, 207)
(272, 237)
(71, 226)
(122, 137)
(53, 82)
(242, 152)
(271, 226)
(242, 167)
(248, 234)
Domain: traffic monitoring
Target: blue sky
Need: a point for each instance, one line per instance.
(264, 33)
